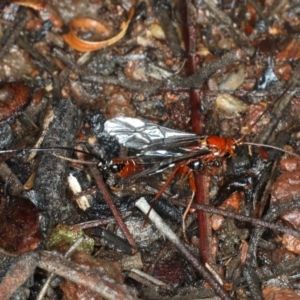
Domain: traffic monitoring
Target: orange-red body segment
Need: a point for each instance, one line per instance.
(221, 146)
(130, 167)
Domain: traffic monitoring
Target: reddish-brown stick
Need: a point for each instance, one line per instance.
(197, 124)
(100, 183)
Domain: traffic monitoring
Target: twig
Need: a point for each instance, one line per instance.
(242, 218)
(273, 213)
(147, 279)
(91, 279)
(253, 282)
(100, 222)
(143, 205)
(112, 206)
(21, 20)
(51, 276)
(18, 274)
(197, 116)
(176, 82)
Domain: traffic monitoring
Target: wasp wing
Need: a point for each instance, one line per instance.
(159, 147)
(138, 134)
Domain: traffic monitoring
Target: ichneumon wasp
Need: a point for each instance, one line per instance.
(158, 148)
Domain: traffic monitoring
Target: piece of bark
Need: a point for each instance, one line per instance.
(50, 182)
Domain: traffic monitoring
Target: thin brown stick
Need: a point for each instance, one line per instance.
(95, 223)
(51, 276)
(242, 218)
(197, 117)
(21, 21)
(110, 203)
(92, 279)
(18, 273)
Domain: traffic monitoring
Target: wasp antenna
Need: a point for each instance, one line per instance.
(75, 160)
(9, 151)
(48, 149)
(271, 147)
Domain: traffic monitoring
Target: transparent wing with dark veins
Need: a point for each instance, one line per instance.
(158, 147)
(138, 134)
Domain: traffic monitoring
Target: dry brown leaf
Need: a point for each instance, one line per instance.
(276, 293)
(291, 243)
(19, 225)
